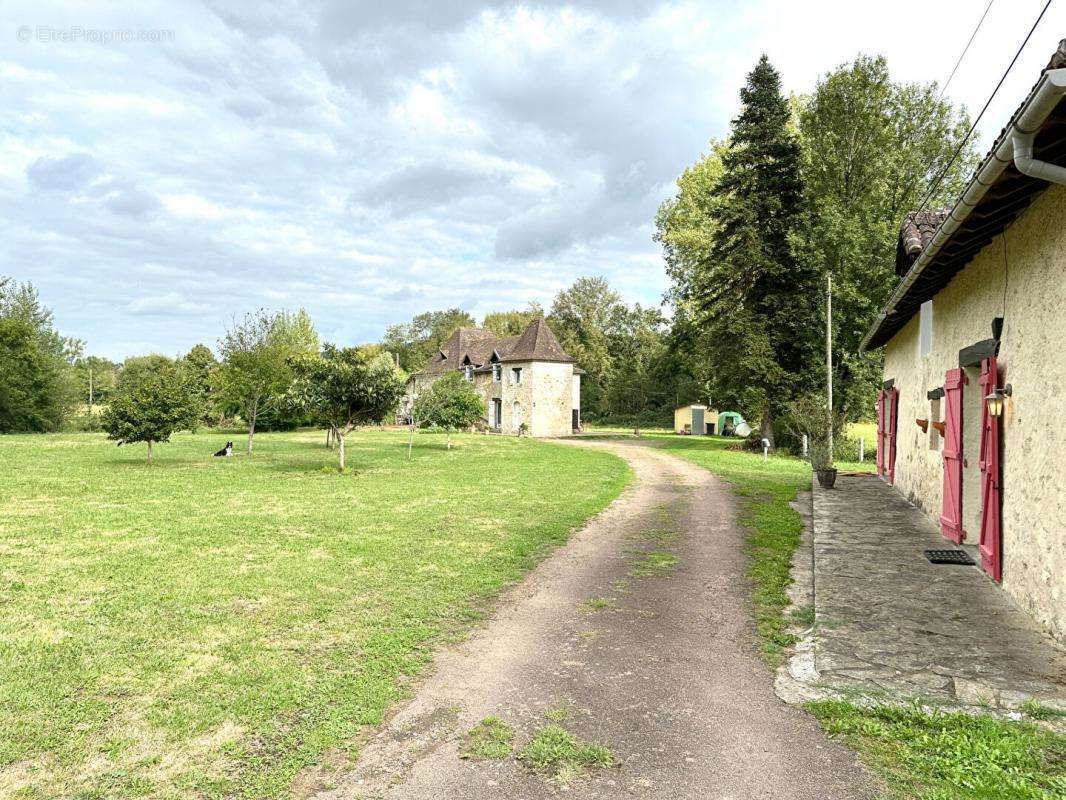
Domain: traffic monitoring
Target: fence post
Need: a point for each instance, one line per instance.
(862, 448)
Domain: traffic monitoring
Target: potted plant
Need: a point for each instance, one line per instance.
(822, 463)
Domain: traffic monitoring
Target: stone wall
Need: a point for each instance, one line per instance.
(543, 400)
(1020, 276)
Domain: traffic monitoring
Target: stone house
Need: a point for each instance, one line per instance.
(526, 380)
(972, 412)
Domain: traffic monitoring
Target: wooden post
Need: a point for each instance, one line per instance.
(862, 448)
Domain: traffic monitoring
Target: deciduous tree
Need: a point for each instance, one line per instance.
(256, 355)
(151, 402)
(343, 388)
(450, 403)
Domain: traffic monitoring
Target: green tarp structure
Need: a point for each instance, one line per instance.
(728, 422)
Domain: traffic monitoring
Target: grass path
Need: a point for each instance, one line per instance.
(209, 627)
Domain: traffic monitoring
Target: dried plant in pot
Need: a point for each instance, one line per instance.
(822, 463)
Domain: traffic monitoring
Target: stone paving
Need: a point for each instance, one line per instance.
(888, 622)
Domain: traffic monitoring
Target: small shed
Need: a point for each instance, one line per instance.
(695, 419)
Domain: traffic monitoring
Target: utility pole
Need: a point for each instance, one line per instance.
(90, 398)
(829, 360)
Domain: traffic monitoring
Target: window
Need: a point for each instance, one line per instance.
(925, 329)
(516, 376)
(469, 373)
(497, 373)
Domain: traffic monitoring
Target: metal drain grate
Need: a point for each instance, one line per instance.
(949, 557)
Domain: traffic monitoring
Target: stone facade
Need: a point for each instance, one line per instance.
(536, 395)
(1020, 276)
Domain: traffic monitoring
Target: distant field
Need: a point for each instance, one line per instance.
(211, 627)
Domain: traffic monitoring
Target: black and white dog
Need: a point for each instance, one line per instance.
(226, 451)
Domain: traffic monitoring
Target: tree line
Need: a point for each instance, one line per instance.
(801, 188)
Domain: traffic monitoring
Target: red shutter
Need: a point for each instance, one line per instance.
(991, 491)
(892, 402)
(881, 432)
(951, 509)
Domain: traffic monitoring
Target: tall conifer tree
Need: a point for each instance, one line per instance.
(758, 302)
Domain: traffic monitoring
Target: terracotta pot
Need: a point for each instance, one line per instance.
(826, 477)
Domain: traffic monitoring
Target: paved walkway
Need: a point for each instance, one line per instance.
(660, 668)
(888, 621)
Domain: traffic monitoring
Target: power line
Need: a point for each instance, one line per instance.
(965, 50)
(920, 129)
(940, 177)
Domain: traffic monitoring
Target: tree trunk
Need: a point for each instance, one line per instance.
(149, 451)
(448, 439)
(340, 446)
(251, 426)
(767, 427)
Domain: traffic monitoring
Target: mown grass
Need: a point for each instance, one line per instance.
(209, 627)
(942, 756)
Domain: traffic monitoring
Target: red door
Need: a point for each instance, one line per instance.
(951, 508)
(991, 490)
(892, 411)
(881, 432)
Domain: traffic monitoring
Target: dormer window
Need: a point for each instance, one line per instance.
(468, 371)
(497, 373)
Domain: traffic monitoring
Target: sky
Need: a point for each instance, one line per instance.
(166, 167)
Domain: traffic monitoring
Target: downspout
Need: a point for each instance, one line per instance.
(1016, 147)
(1024, 161)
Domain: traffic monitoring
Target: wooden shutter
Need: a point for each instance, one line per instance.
(951, 507)
(991, 475)
(881, 432)
(892, 410)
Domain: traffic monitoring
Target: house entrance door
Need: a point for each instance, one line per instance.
(496, 413)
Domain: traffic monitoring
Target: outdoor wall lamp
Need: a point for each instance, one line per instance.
(995, 400)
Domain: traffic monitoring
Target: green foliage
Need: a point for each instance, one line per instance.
(202, 371)
(871, 149)
(218, 628)
(256, 361)
(151, 402)
(950, 756)
(563, 756)
(344, 388)
(451, 403)
(38, 388)
(511, 323)
(416, 342)
(492, 738)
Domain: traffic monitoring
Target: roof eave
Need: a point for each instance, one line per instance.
(1033, 113)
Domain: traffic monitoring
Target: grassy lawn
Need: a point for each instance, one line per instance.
(951, 756)
(210, 627)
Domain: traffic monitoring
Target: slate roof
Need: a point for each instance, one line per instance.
(476, 347)
(1005, 200)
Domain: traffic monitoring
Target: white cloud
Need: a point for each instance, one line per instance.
(166, 305)
(371, 160)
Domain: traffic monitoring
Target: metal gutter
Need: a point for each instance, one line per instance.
(1023, 128)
